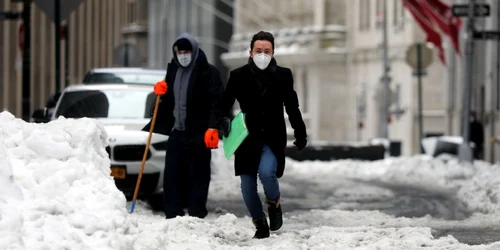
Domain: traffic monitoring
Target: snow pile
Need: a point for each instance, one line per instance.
(63, 172)
(57, 193)
(11, 219)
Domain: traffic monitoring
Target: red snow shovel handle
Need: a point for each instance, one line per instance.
(138, 184)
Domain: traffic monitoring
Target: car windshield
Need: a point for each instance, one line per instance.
(125, 77)
(113, 103)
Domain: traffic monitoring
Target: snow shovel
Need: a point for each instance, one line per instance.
(138, 184)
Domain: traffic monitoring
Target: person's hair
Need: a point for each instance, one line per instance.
(473, 114)
(262, 35)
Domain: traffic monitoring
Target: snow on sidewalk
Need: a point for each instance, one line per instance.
(62, 169)
(57, 193)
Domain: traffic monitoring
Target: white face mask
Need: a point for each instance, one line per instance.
(184, 59)
(261, 60)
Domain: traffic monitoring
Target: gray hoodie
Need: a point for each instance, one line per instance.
(181, 83)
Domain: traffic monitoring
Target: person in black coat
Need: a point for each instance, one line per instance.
(476, 135)
(262, 89)
(187, 114)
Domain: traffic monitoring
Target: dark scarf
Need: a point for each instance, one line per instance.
(263, 78)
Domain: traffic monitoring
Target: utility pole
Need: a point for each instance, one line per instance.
(497, 96)
(57, 24)
(498, 61)
(420, 101)
(465, 151)
(384, 112)
(26, 93)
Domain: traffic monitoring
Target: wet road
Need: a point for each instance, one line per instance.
(403, 201)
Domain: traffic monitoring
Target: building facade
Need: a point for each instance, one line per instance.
(334, 50)
(310, 38)
(210, 21)
(95, 31)
(367, 68)
(443, 86)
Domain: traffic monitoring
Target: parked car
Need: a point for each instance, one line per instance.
(124, 75)
(123, 109)
(140, 76)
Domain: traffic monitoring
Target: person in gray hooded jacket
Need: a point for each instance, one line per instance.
(187, 115)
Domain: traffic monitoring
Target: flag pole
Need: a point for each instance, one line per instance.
(383, 123)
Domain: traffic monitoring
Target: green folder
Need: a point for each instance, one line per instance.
(236, 136)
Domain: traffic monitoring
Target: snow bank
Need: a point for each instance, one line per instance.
(57, 193)
(11, 219)
(63, 172)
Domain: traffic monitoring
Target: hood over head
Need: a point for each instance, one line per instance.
(186, 42)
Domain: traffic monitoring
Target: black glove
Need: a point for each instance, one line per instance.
(224, 127)
(300, 143)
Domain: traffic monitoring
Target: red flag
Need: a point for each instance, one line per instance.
(442, 15)
(427, 25)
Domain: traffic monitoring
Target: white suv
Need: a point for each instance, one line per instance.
(123, 109)
(124, 75)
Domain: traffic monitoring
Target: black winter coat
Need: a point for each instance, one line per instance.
(204, 91)
(264, 111)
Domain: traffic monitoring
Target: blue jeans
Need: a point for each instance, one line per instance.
(267, 174)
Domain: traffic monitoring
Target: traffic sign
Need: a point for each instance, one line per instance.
(487, 35)
(462, 10)
(66, 7)
(412, 56)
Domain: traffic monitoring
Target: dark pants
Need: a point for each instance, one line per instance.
(187, 177)
(478, 153)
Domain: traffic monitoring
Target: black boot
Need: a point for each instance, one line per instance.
(275, 214)
(262, 228)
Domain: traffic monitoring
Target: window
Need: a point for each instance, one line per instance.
(112, 103)
(364, 15)
(131, 11)
(125, 77)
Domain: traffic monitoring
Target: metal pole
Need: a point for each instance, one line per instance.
(26, 104)
(358, 118)
(384, 130)
(465, 151)
(498, 57)
(493, 112)
(420, 116)
(66, 55)
(57, 24)
(126, 59)
(452, 81)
